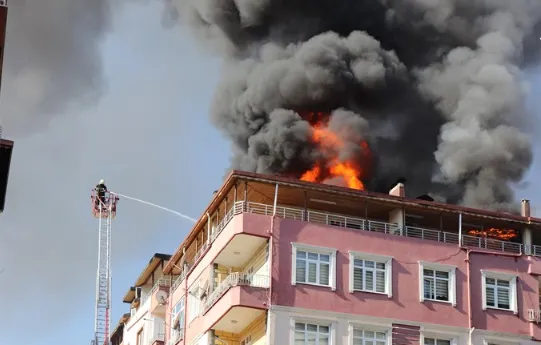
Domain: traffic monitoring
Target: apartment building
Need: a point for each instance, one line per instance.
(281, 261)
(117, 335)
(145, 324)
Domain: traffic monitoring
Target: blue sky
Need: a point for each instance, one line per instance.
(150, 138)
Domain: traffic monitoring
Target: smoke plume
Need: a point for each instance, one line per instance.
(435, 84)
(52, 60)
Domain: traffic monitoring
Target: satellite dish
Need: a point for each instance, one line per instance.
(161, 296)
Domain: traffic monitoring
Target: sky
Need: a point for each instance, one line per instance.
(149, 137)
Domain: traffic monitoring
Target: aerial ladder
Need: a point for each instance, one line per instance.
(103, 208)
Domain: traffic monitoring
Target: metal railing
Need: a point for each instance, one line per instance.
(235, 279)
(492, 244)
(237, 208)
(156, 337)
(178, 336)
(164, 281)
(532, 249)
(201, 251)
(362, 225)
(178, 281)
(389, 228)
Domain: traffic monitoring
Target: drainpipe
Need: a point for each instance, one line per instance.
(468, 287)
(271, 262)
(460, 229)
(185, 296)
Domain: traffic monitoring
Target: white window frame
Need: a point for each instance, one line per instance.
(513, 293)
(194, 303)
(451, 338)
(175, 315)
(318, 250)
(370, 327)
(387, 260)
(314, 321)
(438, 267)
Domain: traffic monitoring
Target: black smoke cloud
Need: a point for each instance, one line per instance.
(436, 85)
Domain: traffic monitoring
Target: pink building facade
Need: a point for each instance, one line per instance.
(275, 261)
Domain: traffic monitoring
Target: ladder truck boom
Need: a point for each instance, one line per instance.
(103, 208)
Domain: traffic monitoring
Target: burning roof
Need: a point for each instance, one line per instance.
(344, 156)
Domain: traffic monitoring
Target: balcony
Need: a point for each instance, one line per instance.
(253, 333)
(138, 314)
(155, 331)
(534, 315)
(158, 297)
(240, 250)
(235, 279)
(361, 224)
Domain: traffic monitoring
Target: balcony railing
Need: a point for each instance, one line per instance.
(155, 331)
(178, 281)
(156, 338)
(534, 315)
(235, 279)
(164, 281)
(362, 225)
(388, 228)
(176, 337)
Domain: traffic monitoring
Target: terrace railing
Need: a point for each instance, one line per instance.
(362, 224)
(235, 279)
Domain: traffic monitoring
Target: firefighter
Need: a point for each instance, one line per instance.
(101, 189)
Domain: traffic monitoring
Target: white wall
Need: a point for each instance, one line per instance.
(282, 325)
(201, 340)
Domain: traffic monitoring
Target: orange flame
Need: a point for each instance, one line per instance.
(500, 234)
(325, 171)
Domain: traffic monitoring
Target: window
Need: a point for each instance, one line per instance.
(312, 334)
(437, 283)
(436, 341)
(370, 273)
(247, 340)
(194, 303)
(313, 265)
(139, 339)
(177, 320)
(499, 291)
(368, 337)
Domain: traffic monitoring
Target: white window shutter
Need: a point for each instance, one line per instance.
(452, 287)
(294, 265)
(514, 296)
(484, 290)
(421, 284)
(389, 278)
(332, 268)
(351, 273)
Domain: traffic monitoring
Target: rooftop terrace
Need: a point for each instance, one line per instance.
(354, 209)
